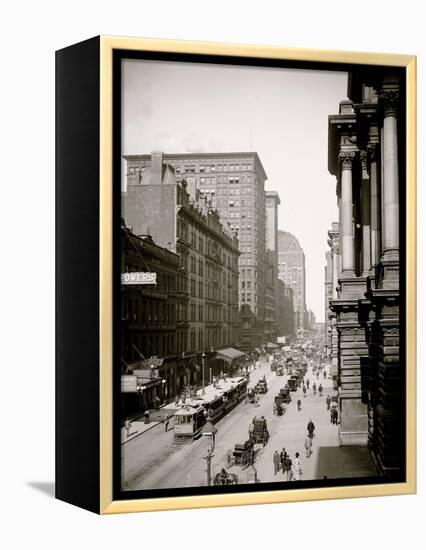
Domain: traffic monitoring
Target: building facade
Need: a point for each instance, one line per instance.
(366, 156)
(291, 270)
(155, 203)
(148, 318)
(286, 318)
(272, 202)
(328, 284)
(234, 184)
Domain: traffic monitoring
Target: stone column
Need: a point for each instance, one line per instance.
(365, 216)
(346, 209)
(375, 207)
(390, 220)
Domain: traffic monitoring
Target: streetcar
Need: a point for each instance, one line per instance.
(215, 402)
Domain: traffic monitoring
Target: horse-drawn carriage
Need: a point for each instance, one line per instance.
(278, 407)
(225, 478)
(262, 386)
(242, 455)
(285, 394)
(251, 395)
(258, 430)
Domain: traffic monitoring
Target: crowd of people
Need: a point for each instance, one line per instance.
(290, 468)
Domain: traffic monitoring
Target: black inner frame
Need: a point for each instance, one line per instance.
(118, 57)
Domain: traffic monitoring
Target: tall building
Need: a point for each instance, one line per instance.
(156, 204)
(234, 183)
(291, 270)
(367, 157)
(286, 320)
(272, 201)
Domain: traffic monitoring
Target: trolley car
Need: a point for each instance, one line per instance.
(215, 402)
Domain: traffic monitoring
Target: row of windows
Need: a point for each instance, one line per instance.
(148, 311)
(206, 168)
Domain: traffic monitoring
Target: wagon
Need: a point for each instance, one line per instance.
(225, 478)
(285, 394)
(259, 431)
(242, 455)
(278, 407)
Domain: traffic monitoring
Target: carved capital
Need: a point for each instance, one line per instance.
(346, 158)
(389, 100)
(372, 150)
(363, 157)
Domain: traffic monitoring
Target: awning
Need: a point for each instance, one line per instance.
(271, 345)
(229, 354)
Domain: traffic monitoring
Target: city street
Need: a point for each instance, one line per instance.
(152, 460)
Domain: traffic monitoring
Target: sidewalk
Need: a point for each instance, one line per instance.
(327, 460)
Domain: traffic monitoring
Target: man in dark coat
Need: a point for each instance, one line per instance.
(311, 428)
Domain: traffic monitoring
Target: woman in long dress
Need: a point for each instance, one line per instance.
(297, 468)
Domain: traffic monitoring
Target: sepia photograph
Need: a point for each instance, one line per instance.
(262, 259)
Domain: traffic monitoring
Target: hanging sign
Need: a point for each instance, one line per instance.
(139, 278)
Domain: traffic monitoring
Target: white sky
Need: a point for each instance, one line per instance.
(280, 113)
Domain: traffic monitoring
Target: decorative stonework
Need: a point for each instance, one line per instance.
(389, 100)
(346, 158)
(372, 150)
(363, 155)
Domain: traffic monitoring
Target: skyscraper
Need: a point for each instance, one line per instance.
(234, 183)
(291, 270)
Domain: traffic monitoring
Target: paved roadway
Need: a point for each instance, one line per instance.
(153, 460)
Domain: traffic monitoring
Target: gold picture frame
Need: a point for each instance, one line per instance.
(107, 45)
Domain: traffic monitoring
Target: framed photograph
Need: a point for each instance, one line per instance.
(235, 267)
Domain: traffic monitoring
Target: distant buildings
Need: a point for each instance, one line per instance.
(286, 317)
(272, 201)
(291, 270)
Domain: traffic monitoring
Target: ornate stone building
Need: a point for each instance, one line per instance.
(234, 183)
(367, 157)
(158, 205)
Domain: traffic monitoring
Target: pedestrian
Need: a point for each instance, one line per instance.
(335, 415)
(308, 446)
(127, 426)
(283, 455)
(251, 430)
(328, 402)
(286, 466)
(176, 400)
(166, 423)
(297, 468)
(146, 416)
(311, 428)
(304, 390)
(317, 374)
(299, 405)
(307, 383)
(314, 388)
(325, 374)
(320, 390)
(157, 402)
(277, 461)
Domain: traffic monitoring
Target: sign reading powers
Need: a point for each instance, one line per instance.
(139, 278)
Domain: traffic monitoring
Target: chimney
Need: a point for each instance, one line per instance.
(156, 167)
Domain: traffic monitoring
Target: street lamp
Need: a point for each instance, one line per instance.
(203, 360)
(209, 431)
